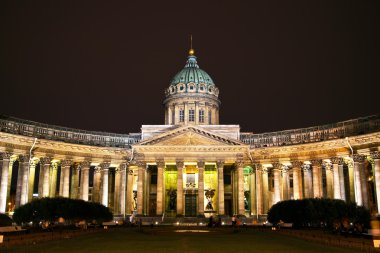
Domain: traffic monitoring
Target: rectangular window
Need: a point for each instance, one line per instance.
(173, 117)
(209, 117)
(181, 115)
(191, 115)
(201, 116)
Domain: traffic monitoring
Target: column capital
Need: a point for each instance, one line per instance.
(296, 164)
(105, 165)
(180, 163)
(375, 155)
(66, 163)
(316, 162)
(277, 166)
(122, 166)
(45, 161)
(97, 169)
(23, 158)
(85, 164)
(336, 160)
(306, 167)
(141, 164)
(358, 158)
(5, 156)
(201, 164)
(160, 163)
(259, 166)
(220, 163)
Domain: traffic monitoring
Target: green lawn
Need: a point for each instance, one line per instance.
(131, 240)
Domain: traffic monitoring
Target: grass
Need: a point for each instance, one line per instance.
(131, 240)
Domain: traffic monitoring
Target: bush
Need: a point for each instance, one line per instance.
(318, 212)
(5, 220)
(50, 209)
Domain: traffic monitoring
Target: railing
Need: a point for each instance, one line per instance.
(338, 130)
(70, 135)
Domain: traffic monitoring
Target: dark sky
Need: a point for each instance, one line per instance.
(101, 65)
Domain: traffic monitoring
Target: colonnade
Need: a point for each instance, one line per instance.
(253, 192)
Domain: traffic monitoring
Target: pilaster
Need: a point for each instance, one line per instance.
(201, 191)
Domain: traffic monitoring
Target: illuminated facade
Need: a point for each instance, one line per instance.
(191, 166)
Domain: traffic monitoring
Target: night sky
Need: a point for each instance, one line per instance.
(101, 65)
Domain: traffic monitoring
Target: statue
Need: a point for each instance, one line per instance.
(134, 204)
(210, 193)
(246, 196)
(172, 199)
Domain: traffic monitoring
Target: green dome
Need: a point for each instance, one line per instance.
(192, 74)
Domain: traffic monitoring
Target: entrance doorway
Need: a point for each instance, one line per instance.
(190, 205)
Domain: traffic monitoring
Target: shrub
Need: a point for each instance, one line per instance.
(50, 209)
(317, 212)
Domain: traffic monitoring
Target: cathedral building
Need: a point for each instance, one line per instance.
(192, 166)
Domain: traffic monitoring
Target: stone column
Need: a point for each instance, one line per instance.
(31, 177)
(253, 194)
(85, 167)
(277, 177)
(358, 159)
(53, 179)
(140, 187)
(75, 182)
(342, 184)
(123, 187)
(160, 186)
(201, 188)
(105, 166)
(329, 181)
(180, 165)
(45, 171)
(360, 180)
(336, 179)
(24, 172)
(376, 158)
(5, 157)
(265, 190)
(240, 186)
(297, 179)
(285, 183)
(308, 181)
(317, 178)
(350, 165)
(220, 165)
(259, 190)
(116, 196)
(129, 199)
(96, 186)
(61, 175)
(65, 168)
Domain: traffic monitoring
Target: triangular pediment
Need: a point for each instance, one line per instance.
(190, 136)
